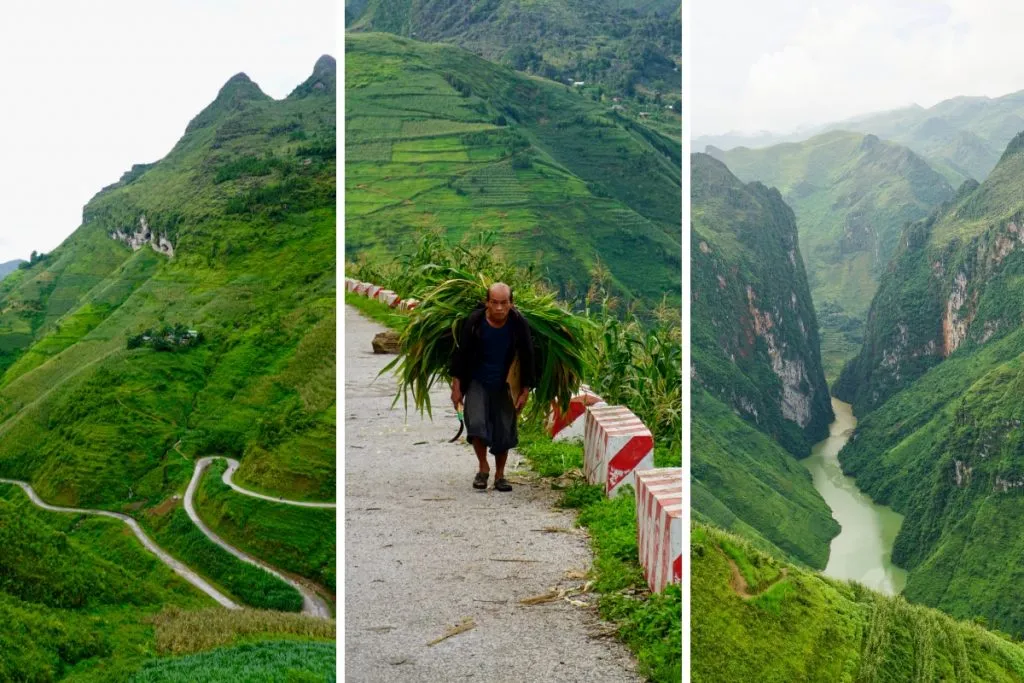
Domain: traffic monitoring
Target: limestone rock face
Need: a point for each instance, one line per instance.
(386, 342)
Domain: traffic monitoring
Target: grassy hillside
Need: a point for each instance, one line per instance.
(627, 47)
(755, 618)
(231, 235)
(852, 194)
(74, 591)
(759, 393)
(436, 137)
(273, 662)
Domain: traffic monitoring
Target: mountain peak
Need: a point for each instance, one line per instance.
(234, 95)
(322, 81)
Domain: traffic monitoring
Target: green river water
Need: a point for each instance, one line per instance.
(863, 549)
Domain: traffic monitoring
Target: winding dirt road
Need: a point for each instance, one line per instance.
(229, 474)
(178, 568)
(312, 604)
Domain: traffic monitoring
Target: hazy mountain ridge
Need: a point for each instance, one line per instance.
(961, 137)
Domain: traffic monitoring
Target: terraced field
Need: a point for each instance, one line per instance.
(437, 138)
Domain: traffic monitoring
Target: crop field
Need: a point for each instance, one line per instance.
(438, 138)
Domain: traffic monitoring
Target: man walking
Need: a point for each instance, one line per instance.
(493, 337)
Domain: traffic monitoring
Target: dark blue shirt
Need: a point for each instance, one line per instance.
(496, 342)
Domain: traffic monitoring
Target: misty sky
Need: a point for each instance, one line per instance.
(92, 88)
(775, 66)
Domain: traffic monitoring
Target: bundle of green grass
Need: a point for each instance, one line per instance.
(562, 341)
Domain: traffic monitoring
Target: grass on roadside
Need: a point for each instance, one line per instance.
(650, 624)
(382, 313)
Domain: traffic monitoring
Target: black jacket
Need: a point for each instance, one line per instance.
(467, 354)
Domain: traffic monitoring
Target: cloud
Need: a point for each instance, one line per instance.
(842, 59)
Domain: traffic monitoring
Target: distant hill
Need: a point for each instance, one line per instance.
(759, 393)
(937, 387)
(852, 195)
(9, 267)
(626, 46)
(438, 137)
(961, 137)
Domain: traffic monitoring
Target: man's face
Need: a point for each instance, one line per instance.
(498, 304)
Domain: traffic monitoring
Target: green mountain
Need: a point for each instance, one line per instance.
(439, 138)
(852, 195)
(192, 313)
(758, 619)
(938, 385)
(628, 47)
(756, 378)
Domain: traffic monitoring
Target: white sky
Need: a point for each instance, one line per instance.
(779, 65)
(90, 88)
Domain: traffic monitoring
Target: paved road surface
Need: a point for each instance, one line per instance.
(423, 551)
(312, 603)
(178, 568)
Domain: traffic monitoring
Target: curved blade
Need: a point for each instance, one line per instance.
(462, 426)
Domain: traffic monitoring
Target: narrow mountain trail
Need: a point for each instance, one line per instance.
(436, 573)
(176, 566)
(312, 603)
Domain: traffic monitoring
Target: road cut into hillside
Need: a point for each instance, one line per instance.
(436, 573)
(176, 566)
(312, 603)
(228, 478)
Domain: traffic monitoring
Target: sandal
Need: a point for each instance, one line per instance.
(502, 485)
(480, 480)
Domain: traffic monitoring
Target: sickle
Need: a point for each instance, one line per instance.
(462, 425)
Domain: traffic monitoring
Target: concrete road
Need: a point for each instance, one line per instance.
(424, 552)
(228, 478)
(178, 568)
(312, 604)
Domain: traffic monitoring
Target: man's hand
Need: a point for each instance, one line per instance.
(456, 394)
(521, 399)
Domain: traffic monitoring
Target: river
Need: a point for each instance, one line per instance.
(863, 549)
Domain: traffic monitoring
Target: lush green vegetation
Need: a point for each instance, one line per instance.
(744, 481)
(91, 422)
(250, 585)
(626, 48)
(852, 195)
(938, 387)
(651, 624)
(564, 181)
(794, 625)
(266, 662)
(628, 361)
(72, 591)
(299, 540)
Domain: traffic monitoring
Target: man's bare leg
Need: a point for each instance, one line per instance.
(499, 465)
(480, 448)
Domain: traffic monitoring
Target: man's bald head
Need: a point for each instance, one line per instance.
(499, 291)
(499, 302)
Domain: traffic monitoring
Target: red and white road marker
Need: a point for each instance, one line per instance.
(659, 525)
(615, 444)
